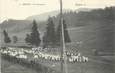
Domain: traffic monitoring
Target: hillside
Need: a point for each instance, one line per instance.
(45, 16)
(94, 28)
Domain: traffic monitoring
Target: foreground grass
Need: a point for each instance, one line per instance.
(8, 67)
(96, 64)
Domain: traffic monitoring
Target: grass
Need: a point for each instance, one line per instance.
(93, 66)
(8, 67)
(96, 64)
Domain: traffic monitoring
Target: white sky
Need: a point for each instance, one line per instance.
(13, 8)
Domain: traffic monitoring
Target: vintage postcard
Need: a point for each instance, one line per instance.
(57, 36)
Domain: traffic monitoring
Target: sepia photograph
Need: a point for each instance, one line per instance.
(57, 36)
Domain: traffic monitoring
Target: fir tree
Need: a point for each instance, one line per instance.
(67, 38)
(35, 35)
(49, 35)
(59, 33)
(28, 39)
(15, 39)
(6, 37)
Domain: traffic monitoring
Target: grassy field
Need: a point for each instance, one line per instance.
(8, 67)
(90, 67)
(90, 41)
(95, 65)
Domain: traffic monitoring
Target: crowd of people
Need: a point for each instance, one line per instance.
(32, 58)
(22, 53)
(19, 57)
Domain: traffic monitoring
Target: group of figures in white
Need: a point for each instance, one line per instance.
(23, 54)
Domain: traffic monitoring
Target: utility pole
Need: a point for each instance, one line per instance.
(63, 51)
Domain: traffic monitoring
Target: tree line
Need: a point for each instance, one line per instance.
(52, 36)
